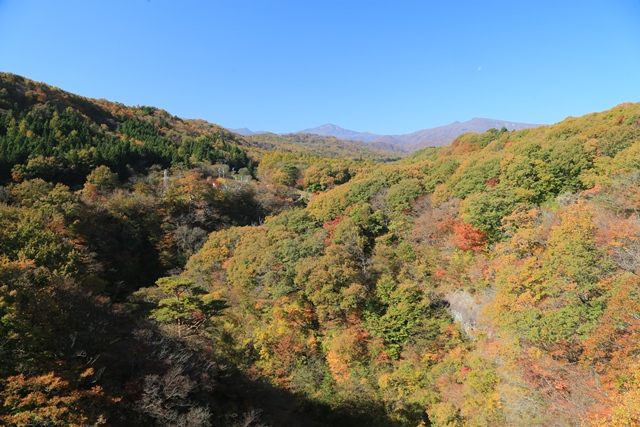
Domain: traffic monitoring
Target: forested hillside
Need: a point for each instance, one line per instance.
(326, 146)
(98, 200)
(160, 271)
(48, 133)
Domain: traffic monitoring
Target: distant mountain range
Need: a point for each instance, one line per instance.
(441, 135)
(245, 131)
(430, 137)
(342, 133)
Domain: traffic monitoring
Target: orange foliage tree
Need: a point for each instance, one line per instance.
(468, 238)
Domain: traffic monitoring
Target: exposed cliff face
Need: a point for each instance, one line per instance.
(467, 310)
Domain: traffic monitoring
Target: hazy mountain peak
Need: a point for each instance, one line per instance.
(330, 129)
(243, 131)
(435, 136)
(330, 126)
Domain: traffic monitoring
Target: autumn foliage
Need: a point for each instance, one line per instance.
(468, 238)
(160, 271)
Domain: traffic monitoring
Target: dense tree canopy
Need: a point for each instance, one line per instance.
(157, 271)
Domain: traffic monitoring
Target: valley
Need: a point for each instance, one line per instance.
(156, 270)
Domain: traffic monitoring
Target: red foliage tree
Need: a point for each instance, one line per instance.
(468, 238)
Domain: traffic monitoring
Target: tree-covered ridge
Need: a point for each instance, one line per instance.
(310, 162)
(51, 134)
(326, 146)
(490, 282)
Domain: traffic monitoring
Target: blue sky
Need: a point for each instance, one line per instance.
(381, 66)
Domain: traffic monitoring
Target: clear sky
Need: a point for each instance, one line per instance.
(382, 66)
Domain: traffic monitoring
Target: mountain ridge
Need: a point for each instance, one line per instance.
(330, 129)
(427, 137)
(445, 134)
